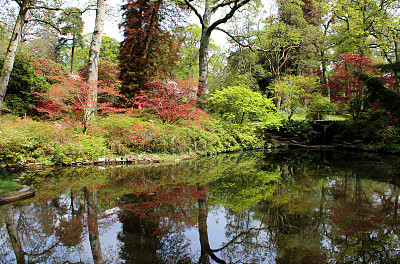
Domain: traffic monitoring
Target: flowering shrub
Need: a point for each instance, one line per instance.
(52, 71)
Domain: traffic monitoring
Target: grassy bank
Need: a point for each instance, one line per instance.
(6, 183)
(25, 141)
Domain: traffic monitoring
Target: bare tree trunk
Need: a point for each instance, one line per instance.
(12, 49)
(72, 55)
(93, 65)
(93, 226)
(203, 51)
(12, 232)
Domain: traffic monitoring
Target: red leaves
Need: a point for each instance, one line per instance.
(70, 98)
(343, 84)
(171, 100)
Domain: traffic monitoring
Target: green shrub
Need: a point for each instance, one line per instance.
(240, 105)
(24, 81)
(25, 141)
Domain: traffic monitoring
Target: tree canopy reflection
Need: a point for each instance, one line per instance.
(304, 207)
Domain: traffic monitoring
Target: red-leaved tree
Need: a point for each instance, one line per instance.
(346, 88)
(148, 49)
(171, 100)
(69, 99)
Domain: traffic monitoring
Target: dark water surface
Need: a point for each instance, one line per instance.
(253, 207)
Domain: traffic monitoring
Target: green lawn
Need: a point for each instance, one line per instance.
(8, 186)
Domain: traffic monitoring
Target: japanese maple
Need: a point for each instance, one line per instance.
(345, 86)
(69, 100)
(171, 100)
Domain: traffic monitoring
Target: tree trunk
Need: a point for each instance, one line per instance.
(93, 65)
(12, 49)
(203, 51)
(12, 232)
(72, 55)
(93, 226)
(204, 243)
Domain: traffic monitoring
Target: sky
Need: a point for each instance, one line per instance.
(112, 21)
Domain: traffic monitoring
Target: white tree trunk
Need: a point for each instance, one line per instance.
(93, 65)
(12, 49)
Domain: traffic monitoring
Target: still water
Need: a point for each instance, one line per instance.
(252, 207)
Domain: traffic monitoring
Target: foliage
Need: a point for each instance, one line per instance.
(26, 141)
(71, 31)
(70, 98)
(147, 50)
(294, 91)
(298, 129)
(108, 73)
(373, 126)
(239, 105)
(319, 106)
(109, 51)
(360, 26)
(346, 88)
(24, 81)
(170, 100)
(52, 71)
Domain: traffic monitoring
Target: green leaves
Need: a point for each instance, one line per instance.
(238, 104)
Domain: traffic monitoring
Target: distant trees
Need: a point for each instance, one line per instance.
(71, 32)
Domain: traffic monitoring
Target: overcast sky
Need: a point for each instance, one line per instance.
(111, 28)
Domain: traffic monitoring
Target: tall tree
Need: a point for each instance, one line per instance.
(149, 49)
(210, 8)
(22, 20)
(93, 64)
(71, 31)
(357, 22)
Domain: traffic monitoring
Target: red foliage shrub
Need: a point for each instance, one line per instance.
(171, 100)
(345, 87)
(69, 100)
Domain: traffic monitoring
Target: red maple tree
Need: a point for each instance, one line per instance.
(171, 100)
(69, 99)
(345, 86)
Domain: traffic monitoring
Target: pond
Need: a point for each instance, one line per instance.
(251, 207)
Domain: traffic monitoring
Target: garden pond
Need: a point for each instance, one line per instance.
(250, 207)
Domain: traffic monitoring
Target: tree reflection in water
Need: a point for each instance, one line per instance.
(255, 208)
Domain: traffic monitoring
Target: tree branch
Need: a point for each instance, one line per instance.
(44, 22)
(234, 38)
(227, 16)
(191, 7)
(222, 5)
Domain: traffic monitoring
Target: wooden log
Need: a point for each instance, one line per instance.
(23, 193)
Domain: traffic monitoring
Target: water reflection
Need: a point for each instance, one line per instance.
(303, 207)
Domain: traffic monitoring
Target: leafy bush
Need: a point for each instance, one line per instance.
(319, 107)
(24, 81)
(170, 100)
(239, 105)
(296, 129)
(25, 141)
